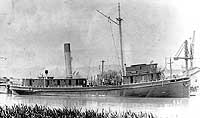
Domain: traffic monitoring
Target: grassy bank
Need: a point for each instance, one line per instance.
(37, 111)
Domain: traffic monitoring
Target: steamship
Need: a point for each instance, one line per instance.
(141, 80)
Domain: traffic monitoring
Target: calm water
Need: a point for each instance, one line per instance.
(162, 107)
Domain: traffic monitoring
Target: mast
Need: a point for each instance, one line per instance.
(192, 50)
(186, 57)
(121, 42)
(119, 23)
(170, 63)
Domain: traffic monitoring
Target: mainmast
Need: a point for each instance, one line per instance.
(121, 42)
(119, 23)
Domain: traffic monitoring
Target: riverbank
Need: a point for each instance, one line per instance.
(38, 111)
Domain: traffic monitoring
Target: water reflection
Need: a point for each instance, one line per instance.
(162, 107)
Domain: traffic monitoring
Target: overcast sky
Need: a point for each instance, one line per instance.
(32, 33)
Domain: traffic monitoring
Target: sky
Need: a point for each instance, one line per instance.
(33, 32)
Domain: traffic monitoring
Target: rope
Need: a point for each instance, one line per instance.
(114, 41)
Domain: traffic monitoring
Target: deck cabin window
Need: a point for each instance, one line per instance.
(76, 82)
(131, 78)
(47, 83)
(143, 78)
(58, 82)
(151, 76)
(70, 82)
(84, 83)
(30, 82)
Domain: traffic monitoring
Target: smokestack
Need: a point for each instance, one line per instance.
(68, 65)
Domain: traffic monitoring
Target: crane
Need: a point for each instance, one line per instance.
(188, 54)
(192, 50)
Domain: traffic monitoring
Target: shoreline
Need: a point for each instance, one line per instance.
(39, 111)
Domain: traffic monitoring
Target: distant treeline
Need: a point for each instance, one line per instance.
(38, 111)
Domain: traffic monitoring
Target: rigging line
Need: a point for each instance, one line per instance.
(90, 61)
(125, 30)
(180, 50)
(114, 41)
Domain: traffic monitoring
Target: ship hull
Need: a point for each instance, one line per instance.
(178, 88)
